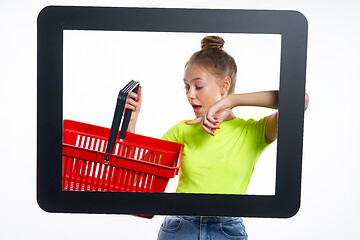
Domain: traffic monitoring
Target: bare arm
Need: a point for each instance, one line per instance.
(221, 110)
(272, 122)
(267, 99)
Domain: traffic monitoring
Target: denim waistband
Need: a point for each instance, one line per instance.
(212, 219)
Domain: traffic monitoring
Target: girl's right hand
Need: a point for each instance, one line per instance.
(215, 115)
(133, 102)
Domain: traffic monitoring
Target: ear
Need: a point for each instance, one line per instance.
(225, 85)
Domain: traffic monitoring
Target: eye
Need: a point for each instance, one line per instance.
(199, 87)
(186, 88)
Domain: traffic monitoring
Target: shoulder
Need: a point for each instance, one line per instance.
(254, 122)
(175, 133)
(181, 125)
(257, 130)
(244, 123)
(253, 127)
(240, 122)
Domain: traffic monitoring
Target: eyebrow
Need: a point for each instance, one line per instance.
(193, 80)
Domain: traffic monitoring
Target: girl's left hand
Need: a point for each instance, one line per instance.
(214, 116)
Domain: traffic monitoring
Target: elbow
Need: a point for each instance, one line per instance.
(306, 101)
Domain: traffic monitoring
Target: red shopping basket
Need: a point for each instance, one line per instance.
(95, 160)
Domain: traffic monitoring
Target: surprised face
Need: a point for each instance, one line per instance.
(203, 89)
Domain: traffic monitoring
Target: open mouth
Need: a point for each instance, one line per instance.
(196, 108)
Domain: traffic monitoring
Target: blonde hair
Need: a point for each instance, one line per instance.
(215, 60)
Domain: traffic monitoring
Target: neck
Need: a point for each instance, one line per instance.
(229, 117)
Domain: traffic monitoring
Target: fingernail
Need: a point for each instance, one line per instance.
(186, 122)
(138, 99)
(212, 134)
(217, 128)
(216, 122)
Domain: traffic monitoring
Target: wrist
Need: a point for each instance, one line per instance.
(232, 100)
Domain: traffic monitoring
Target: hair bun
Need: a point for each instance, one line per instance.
(212, 42)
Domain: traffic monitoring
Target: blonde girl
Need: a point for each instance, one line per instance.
(220, 149)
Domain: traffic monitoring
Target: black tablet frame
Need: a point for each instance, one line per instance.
(292, 26)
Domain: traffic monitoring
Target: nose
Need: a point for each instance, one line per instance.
(191, 94)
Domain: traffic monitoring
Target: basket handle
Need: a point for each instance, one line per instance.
(132, 86)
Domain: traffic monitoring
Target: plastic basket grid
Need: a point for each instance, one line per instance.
(138, 163)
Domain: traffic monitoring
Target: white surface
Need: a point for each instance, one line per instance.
(330, 192)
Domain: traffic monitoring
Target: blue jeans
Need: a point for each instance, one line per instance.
(202, 228)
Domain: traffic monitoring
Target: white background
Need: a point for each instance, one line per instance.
(97, 66)
(330, 192)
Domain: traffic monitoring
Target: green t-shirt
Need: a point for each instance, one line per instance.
(223, 163)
